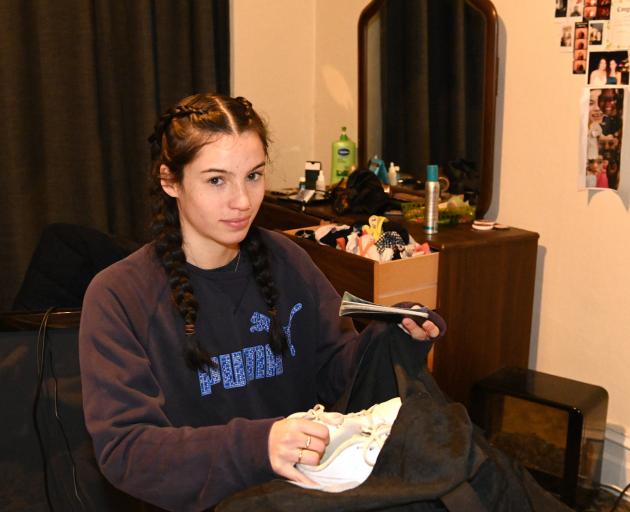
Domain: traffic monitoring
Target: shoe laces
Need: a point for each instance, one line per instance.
(369, 414)
(319, 414)
(376, 435)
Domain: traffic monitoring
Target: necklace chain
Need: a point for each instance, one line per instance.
(238, 260)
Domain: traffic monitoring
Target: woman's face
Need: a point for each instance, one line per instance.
(608, 102)
(613, 65)
(595, 113)
(219, 196)
(602, 65)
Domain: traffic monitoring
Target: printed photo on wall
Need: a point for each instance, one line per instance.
(566, 35)
(580, 44)
(575, 8)
(608, 68)
(595, 33)
(602, 113)
(596, 9)
(618, 33)
(561, 8)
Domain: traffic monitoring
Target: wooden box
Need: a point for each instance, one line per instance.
(413, 279)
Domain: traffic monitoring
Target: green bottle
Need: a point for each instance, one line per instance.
(344, 159)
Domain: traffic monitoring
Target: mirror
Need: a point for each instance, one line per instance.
(427, 90)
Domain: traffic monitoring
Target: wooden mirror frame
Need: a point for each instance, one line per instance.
(490, 91)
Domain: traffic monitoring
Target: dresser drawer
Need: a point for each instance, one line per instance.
(412, 279)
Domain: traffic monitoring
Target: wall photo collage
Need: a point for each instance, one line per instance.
(597, 33)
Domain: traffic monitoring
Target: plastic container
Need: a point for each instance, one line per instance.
(344, 160)
(392, 174)
(377, 166)
(320, 184)
(432, 200)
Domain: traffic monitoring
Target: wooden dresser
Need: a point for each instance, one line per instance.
(485, 291)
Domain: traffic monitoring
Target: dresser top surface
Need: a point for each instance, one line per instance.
(460, 235)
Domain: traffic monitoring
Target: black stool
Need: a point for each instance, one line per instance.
(554, 426)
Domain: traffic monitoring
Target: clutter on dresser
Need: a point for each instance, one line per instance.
(452, 211)
(311, 186)
(431, 200)
(344, 157)
(406, 279)
(312, 170)
(380, 239)
(361, 192)
(487, 225)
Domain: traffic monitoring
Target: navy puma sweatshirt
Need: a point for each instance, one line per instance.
(182, 439)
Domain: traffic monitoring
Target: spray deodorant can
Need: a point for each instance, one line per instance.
(431, 200)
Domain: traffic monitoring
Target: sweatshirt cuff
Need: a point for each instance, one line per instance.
(433, 316)
(253, 449)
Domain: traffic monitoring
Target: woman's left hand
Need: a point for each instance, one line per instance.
(421, 332)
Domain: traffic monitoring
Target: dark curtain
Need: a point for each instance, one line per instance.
(432, 70)
(82, 84)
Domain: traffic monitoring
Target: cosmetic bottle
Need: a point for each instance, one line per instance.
(431, 200)
(377, 166)
(392, 174)
(320, 184)
(343, 157)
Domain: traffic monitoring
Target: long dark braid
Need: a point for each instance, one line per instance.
(257, 252)
(168, 246)
(178, 136)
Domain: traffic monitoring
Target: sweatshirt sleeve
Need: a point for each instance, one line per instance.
(137, 448)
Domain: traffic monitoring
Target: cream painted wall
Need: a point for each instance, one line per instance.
(297, 61)
(336, 63)
(581, 323)
(273, 65)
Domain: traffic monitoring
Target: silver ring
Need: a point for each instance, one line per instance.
(300, 451)
(308, 442)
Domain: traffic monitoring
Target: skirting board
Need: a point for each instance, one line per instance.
(616, 463)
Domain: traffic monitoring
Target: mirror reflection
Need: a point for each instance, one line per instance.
(427, 84)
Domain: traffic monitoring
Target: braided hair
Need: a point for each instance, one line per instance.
(179, 135)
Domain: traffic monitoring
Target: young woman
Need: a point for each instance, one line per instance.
(599, 75)
(614, 76)
(595, 117)
(195, 348)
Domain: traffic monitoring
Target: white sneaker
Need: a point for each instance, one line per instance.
(355, 442)
(350, 463)
(338, 430)
(382, 413)
(319, 415)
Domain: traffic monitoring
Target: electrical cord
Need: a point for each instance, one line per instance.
(612, 489)
(75, 482)
(42, 354)
(40, 347)
(619, 498)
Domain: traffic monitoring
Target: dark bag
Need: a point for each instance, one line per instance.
(65, 260)
(361, 192)
(434, 459)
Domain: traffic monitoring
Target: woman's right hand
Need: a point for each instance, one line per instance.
(293, 441)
